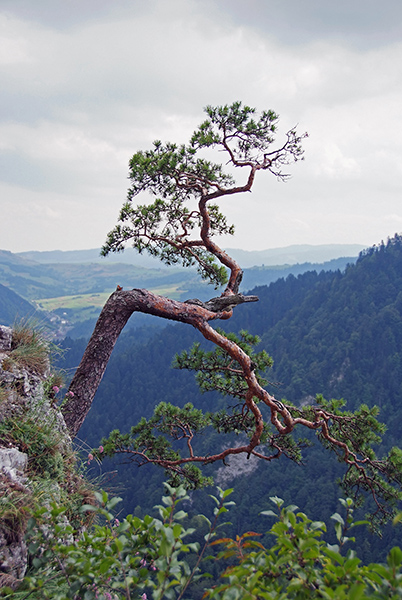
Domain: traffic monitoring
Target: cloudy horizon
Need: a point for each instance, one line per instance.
(87, 83)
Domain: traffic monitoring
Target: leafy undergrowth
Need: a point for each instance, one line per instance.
(157, 557)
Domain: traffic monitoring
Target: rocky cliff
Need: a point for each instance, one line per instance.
(37, 463)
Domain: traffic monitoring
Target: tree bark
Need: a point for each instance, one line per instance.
(114, 316)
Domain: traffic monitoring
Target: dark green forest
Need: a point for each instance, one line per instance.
(333, 333)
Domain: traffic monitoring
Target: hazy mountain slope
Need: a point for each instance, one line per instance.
(256, 276)
(296, 254)
(73, 293)
(34, 280)
(247, 258)
(13, 307)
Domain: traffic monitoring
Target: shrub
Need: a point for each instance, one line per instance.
(144, 558)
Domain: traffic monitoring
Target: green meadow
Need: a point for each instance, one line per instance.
(78, 302)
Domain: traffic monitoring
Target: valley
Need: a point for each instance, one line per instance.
(331, 333)
(69, 293)
(336, 332)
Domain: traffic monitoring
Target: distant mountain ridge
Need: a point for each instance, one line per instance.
(295, 254)
(32, 279)
(288, 255)
(78, 283)
(264, 275)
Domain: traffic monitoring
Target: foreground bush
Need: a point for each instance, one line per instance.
(151, 557)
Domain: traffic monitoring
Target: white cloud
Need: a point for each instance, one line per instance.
(13, 43)
(81, 94)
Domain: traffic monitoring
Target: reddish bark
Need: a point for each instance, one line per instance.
(114, 316)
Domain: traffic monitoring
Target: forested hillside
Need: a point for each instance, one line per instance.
(345, 337)
(330, 333)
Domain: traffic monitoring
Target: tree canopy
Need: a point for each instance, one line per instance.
(176, 175)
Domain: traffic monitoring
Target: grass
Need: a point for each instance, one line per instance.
(85, 301)
(29, 349)
(78, 301)
(50, 462)
(3, 394)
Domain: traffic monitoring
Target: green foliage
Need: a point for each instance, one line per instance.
(15, 506)
(143, 443)
(248, 139)
(155, 557)
(160, 227)
(116, 559)
(217, 370)
(173, 171)
(53, 471)
(300, 564)
(353, 436)
(175, 174)
(38, 440)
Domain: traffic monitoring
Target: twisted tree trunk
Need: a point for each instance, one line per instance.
(114, 316)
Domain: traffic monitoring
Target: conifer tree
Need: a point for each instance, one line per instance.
(180, 226)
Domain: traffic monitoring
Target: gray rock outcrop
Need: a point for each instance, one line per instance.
(21, 392)
(13, 549)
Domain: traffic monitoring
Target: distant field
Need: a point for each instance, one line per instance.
(77, 301)
(82, 301)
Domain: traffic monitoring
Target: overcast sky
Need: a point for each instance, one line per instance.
(86, 83)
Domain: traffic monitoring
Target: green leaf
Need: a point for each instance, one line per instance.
(356, 591)
(335, 556)
(394, 558)
(226, 493)
(177, 530)
(338, 531)
(180, 515)
(269, 513)
(337, 517)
